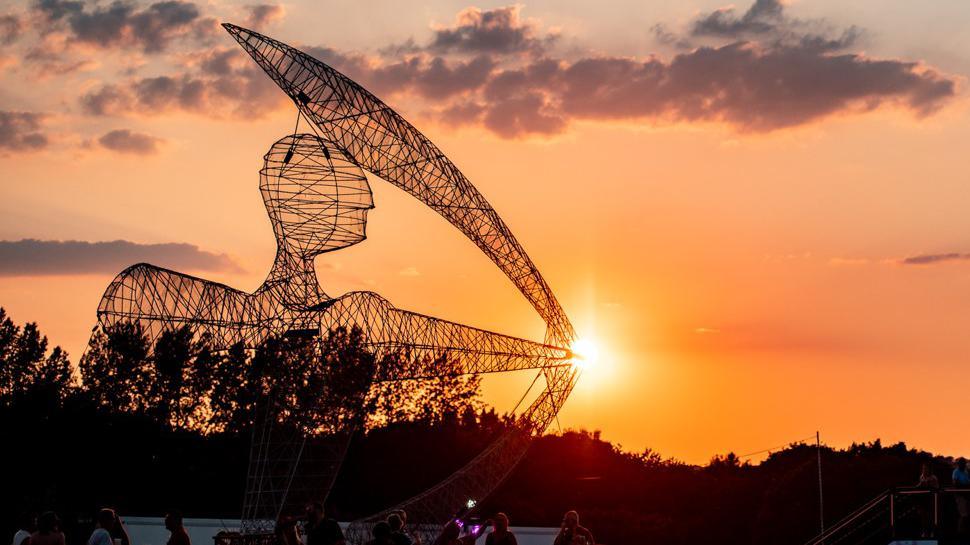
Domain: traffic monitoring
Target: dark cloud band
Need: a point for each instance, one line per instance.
(31, 257)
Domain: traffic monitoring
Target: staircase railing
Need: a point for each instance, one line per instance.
(903, 513)
(857, 521)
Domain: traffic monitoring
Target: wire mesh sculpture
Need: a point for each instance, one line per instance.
(317, 197)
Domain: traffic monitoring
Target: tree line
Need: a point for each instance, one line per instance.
(182, 382)
(146, 427)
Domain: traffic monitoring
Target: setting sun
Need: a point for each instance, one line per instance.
(586, 353)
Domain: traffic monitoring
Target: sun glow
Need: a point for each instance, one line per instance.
(585, 353)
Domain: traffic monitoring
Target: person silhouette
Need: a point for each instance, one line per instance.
(501, 535)
(26, 523)
(317, 200)
(571, 533)
(48, 530)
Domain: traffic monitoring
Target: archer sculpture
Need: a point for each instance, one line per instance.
(317, 197)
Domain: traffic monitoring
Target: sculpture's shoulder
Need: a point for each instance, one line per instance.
(144, 280)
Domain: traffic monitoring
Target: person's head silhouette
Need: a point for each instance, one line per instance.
(501, 521)
(317, 199)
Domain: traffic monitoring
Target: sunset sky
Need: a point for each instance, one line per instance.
(759, 211)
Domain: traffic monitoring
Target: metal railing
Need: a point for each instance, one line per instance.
(902, 513)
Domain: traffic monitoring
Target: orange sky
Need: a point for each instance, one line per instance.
(746, 286)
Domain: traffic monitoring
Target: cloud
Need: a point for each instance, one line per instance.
(664, 36)
(767, 21)
(492, 69)
(122, 23)
(261, 15)
(497, 31)
(530, 113)
(51, 56)
(743, 85)
(933, 259)
(794, 76)
(438, 79)
(224, 84)
(126, 141)
(409, 271)
(748, 87)
(21, 131)
(11, 27)
(430, 77)
(31, 257)
(461, 113)
(762, 17)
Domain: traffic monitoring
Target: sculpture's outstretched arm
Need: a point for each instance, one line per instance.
(426, 340)
(160, 299)
(470, 350)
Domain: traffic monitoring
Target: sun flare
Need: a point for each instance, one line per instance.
(585, 353)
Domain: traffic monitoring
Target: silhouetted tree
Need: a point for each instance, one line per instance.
(235, 390)
(182, 381)
(342, 381)
(449, 395)
(116, 371)
(431, 400)
(171, 399)
(27, 370)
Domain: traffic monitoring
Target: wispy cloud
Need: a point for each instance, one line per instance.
(31, 257)
(262, 15)
(934, 259)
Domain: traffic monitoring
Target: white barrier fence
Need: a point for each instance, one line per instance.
(151, 531)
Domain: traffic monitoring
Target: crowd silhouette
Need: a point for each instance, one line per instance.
(314, 528)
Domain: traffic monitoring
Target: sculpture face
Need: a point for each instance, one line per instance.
(316, 198)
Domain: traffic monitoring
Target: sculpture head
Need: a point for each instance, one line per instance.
(316, 198)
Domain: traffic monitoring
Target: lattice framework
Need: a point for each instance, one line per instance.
(317, 197)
